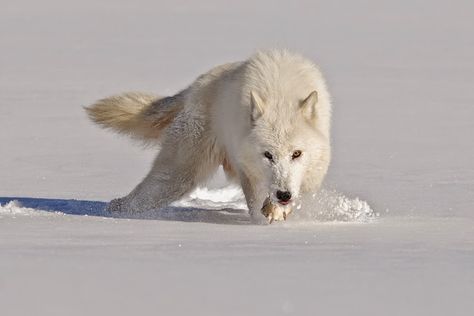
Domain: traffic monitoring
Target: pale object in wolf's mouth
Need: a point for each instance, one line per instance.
(275, 212)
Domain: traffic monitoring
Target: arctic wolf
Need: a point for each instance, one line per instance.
(266, 120)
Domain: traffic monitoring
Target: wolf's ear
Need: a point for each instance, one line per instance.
(308, 105)
(256, 106)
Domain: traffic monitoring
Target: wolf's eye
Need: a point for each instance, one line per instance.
(296, 154)
(268, 155)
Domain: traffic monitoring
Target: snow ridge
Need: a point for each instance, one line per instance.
(223, 205)
(14, 208)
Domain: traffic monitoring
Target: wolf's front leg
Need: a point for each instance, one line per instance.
(255, 199)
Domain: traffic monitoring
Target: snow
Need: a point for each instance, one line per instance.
(14, 209)
(203, 204)
(75, 265)
(392, 233)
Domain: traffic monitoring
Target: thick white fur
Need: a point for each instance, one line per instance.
(230, 116)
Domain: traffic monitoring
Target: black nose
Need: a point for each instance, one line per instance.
(284, 196)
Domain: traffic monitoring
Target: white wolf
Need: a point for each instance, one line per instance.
(266, 120)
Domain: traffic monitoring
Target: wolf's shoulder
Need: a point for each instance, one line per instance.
(276, 65)
(278, 59)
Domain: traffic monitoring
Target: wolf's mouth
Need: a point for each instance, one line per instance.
(283, 202)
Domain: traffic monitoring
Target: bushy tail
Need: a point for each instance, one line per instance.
(142, 116)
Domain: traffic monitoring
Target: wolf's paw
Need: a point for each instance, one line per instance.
(257, 218)
(115, 206)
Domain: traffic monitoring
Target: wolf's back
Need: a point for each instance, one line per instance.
(139, 115)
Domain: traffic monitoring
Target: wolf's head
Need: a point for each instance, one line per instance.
(284, 147)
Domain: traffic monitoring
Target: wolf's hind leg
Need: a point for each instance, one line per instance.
(175, 173)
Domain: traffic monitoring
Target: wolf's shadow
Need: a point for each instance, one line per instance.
(226, 216)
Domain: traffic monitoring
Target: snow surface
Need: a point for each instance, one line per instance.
(391, 234)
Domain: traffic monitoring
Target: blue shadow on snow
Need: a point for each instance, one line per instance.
(97, 208)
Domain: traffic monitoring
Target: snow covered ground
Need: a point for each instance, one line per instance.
(401, 76)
